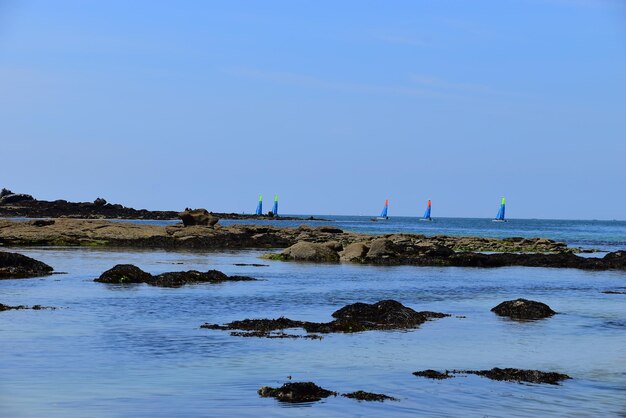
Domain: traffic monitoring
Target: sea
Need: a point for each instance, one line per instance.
(139, 351)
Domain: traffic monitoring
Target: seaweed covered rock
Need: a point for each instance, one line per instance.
(518, 375)
(433, 374)
(310, 251)
(18, 266)
(523, 309)
(128, 273)
(385, 314)
(615, 260)
(368, 396)
(20, 307)
(124, 273)
(296, 392)
(181, 278)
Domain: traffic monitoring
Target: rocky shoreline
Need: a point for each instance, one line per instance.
(18, 205)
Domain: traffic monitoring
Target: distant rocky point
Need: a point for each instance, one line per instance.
(18, 205)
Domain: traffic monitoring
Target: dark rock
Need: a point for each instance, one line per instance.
(368, 396)
(14, 198)
(329, 229)
(20, 307)
(198, 217)
(124, 273)
(99, 202)
(616, 260)
(5, 192)
(181, 278)
(433, 374)
(383, 315)
(518, 375)
(42, 222)
(127, 273)
(614, 292)
(251, 265)
(18, 266)
(296, 392)
(523, 309)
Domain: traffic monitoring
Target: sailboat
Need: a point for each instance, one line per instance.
(383, 215)
(500, 215)
(275, 208)
(427, 214)
(259, 207)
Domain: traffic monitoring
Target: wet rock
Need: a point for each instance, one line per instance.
(128, 273)
(616, 260)
(354, 253)
(433, 374)
(310, 251)
(42, 222)
(18, 266)
(614, 292)
(181, 278)
(383, 315)
(518, 375)
(124, 273)
(251, 265)
(271, 335)
(368, 396)
(329, 229)
(20, 307)
(296, 392)
(198, 217)
(523, 309)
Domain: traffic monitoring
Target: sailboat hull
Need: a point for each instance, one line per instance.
(426, 219)
(499, 220)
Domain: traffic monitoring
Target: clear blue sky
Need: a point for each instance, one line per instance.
(333, 105)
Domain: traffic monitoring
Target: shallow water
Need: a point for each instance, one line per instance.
(137, 350)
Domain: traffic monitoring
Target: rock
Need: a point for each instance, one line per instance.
(99, 202)
(368, 396)
(181, 278)
(383, 315)
(310, 251)
(296, 392)
(329, 229)
(381, 248)
(334, 245)
(433, 374)
(518, 375)
(127, 273)
(354, 253)
(522, 309)
(42, 222)
(124, 273)
(20, 307)
(18, 266)
(14, 198)
(5, 192)
(616, 260)
(198, 217)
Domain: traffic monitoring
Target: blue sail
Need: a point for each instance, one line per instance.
(500, 215)
(259, 207)
(427, 212)
(383, 214)
(275, 208)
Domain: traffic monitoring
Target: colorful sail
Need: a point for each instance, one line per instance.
(383, 214)
(259, 207)
(500, 215)
(427, 213)
(275, 208)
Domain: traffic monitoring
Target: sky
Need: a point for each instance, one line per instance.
(334, 106)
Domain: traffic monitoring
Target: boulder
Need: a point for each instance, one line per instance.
(198, 217)
(310, 251)
(42, 222)
(522, 309)
(18, 266)
(361, 395)
(5, 192)
(354, 253)
(124, 273)
(616, 260)
(99, 202)
(381, 248)
(181, 278)
(518, 375)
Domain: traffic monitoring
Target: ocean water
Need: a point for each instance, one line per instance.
(137, 350)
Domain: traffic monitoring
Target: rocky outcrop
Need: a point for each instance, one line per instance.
(357, 317)
(296, 392)
(128, 273)
(360, 395)
(7, 196)
(20, 307)
(518, 375)
(193, 217)
(433, 374)
(523, 309)
(18, 266)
